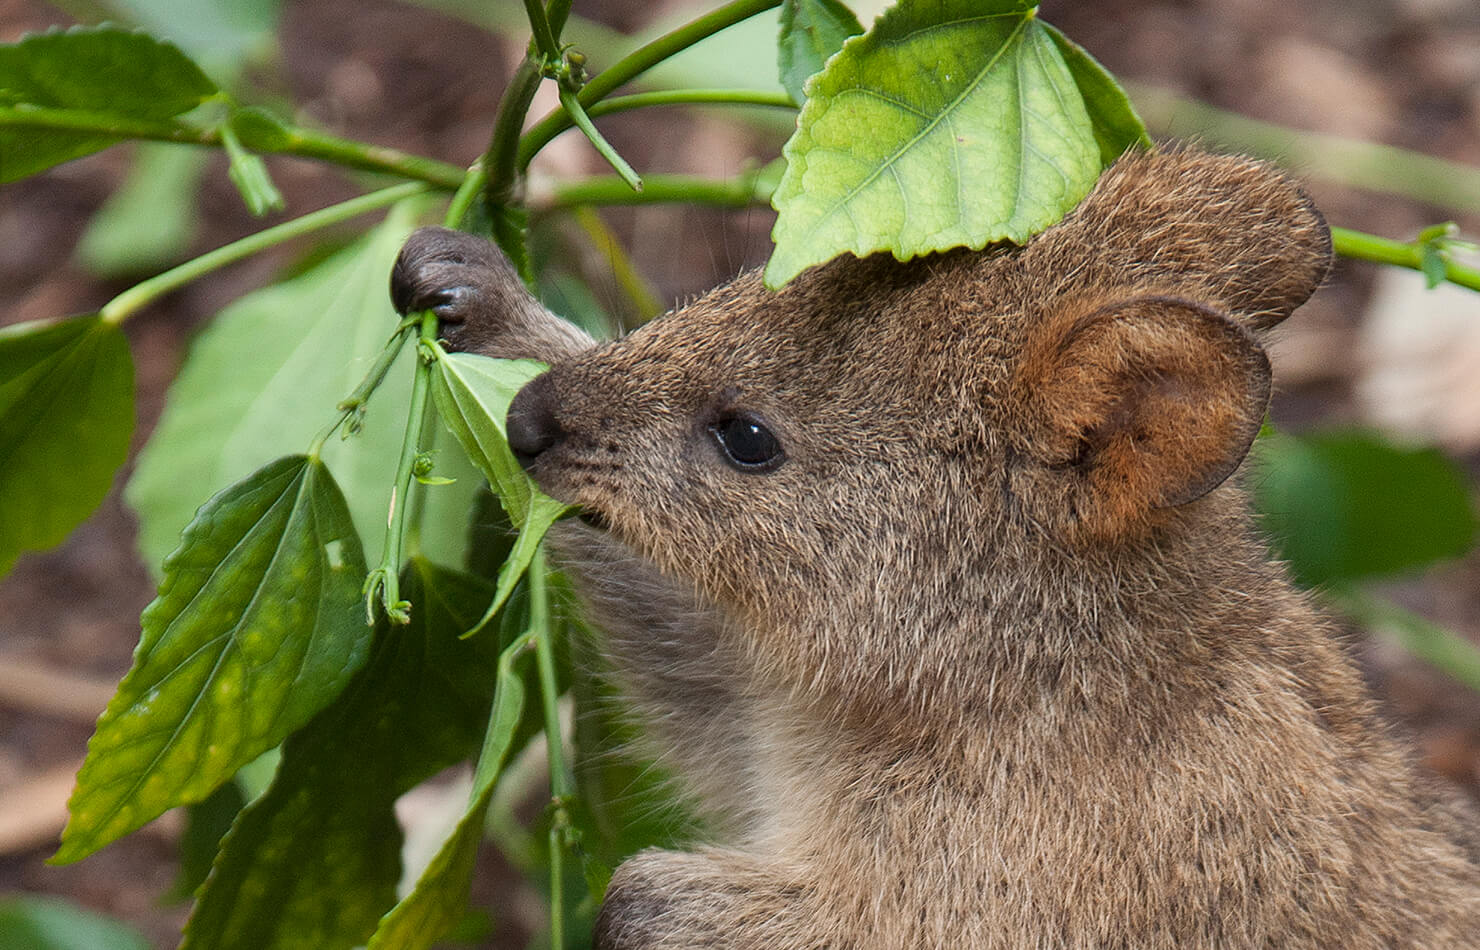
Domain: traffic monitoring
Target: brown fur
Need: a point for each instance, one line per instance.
(994, 659)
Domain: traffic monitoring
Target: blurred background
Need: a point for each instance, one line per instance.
(1375, 348)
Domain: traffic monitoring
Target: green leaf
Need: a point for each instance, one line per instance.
(1349, 505)
(310, 341)
(256, 627)
(1117, 126)
(472, 394)
(206, 824)
(811, 32)
(439, 899)
(996, 145)
(222, 35)
(66, 415)
(101, 70)
(314, 862)
(44, 923)
(147, 223)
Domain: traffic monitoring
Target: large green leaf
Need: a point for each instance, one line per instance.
(45, 923)
(314, 862)
(949, 123)
(1117, 126)
(256, 627)
(472, 394)
(264, 379)
(103, 71)
(1349, 505)
(811, 32)
(66, 414)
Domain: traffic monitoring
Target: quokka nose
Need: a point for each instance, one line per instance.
(532, 426)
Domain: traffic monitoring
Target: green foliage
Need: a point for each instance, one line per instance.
(811, 32)
(472, 395)
(439, 899)
(418, 706)
(66, 412)
(950, 123)
(37, 923)
(998, 146)
(1344, 506)
(227, 415)
(255, 629)
(115, 73)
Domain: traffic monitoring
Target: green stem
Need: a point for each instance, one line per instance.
(557, 13)
(539, 25)
(738, 192)
(690, 97)
(121, 307)
(500, 161)
(1367, 165)
(562, 780)
(303, 143)
(1370, 247)
(385, 580)
(604, 148)
(639, 61)
(551, 126)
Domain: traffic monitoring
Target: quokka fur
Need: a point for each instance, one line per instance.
(994, 657)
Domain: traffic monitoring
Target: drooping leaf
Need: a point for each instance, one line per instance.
(439, 899)
(101, 70)
(314, 862)
(811, 31)
(264, 379)
(1347, 505)
(256, 627)
(949, 123)
(472, 395)
(46, 923)
(66, 415)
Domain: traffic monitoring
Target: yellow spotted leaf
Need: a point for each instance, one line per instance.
(257, 626)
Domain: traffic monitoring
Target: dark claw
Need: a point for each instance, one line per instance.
(446, 271)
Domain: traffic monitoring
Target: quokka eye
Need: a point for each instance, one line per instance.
(747, 444)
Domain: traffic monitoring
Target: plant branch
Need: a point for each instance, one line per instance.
(1366, 165)
(639, 61)
(604, 148)
(1370, 247)
(303, 143)
(384, 581)
(546, 40)
(500, 171)
(562, 779)
(738, 192)
(546, 129)
(130, 301)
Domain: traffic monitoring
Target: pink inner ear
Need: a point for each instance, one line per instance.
(1155, 399)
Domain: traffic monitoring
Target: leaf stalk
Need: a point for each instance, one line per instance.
(130, 301)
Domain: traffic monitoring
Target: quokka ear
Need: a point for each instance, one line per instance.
(1232, 231)
(1140, 404)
